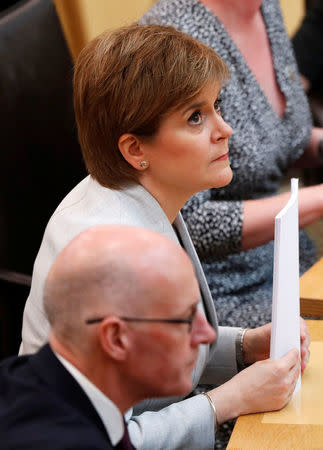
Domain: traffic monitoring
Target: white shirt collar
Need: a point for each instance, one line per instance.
(110, 415)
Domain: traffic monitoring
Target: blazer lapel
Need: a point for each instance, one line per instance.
(204, 288)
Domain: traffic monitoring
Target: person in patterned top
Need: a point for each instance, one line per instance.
(232, 227)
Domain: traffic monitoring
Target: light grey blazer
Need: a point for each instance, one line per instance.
(157, 423)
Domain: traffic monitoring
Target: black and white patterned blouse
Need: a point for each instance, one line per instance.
(262, 147)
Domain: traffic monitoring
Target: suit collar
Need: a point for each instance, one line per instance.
(109, 413)
(51, 371)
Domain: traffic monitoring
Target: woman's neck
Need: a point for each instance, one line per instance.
(234, 14)
(170, 198)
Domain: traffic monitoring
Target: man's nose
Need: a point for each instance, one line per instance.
(202, 332)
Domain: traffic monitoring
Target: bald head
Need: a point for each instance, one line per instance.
(109, 270)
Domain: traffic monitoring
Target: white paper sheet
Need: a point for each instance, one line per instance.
(285, 333)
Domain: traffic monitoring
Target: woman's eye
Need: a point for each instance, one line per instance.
(196, 118)
(217, 105)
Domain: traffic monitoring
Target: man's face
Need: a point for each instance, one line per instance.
(164, 354)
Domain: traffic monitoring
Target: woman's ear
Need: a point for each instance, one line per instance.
(131, 149)
(113, 338)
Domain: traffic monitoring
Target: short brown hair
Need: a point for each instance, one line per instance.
(125, 81)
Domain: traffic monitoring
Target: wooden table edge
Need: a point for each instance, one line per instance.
(254, 421)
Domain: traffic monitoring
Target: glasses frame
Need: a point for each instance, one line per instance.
(189, 320)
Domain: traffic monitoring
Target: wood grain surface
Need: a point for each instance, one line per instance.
(250, 433)
(311, 291)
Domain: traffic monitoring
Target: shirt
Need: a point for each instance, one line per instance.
(110, 415)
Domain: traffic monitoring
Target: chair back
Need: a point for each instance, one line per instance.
(40, 158)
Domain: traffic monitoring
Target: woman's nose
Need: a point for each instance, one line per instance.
(221, 129)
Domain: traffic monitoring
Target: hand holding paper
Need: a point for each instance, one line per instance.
(256, 344)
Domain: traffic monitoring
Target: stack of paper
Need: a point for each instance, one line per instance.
(285, 333)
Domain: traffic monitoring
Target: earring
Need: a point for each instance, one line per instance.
(144, 164)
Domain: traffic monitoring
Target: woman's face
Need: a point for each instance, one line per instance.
(189, 153)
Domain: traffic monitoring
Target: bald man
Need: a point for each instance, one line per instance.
(121, 302)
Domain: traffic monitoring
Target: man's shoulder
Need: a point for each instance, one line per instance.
(48, 425)
(15, 374)
(32, 415)
(21, 384)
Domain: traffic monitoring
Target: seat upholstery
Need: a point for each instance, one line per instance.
(40, 158)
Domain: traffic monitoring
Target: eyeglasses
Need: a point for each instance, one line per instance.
(189, 320)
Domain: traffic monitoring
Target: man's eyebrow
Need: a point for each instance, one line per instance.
(190, 308)
(194, 106)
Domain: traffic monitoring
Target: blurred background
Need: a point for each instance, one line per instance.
(82, 20)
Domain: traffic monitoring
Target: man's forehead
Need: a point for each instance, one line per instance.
(180, 293)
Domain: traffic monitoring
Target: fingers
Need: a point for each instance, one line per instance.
(305, 342)
(291, 391)
(289, 367)
(305, 359)
(304, 352)
(291, 359)
(289, 373)
(268, 385)
(295, 371)
(294, 374)
(304, 331)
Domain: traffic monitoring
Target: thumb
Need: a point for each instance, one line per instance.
(291, 358)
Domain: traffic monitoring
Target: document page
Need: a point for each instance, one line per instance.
(285, 333)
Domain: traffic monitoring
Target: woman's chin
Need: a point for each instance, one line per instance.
(223, 178)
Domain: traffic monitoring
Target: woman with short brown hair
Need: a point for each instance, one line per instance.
(122, 84)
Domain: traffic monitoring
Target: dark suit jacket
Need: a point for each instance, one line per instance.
(42, 407)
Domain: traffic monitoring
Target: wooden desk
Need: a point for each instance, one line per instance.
(250, 433)
(311, 291)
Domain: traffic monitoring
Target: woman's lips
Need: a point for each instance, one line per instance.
(222, 157)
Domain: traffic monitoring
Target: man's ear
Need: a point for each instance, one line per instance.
(113, 338)
(131, 149)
